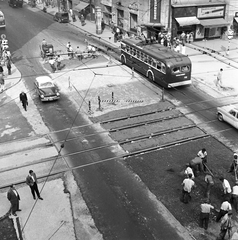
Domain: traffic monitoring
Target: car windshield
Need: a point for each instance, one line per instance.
(64, 15)
(46, 84)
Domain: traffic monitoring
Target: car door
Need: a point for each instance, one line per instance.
(232, 117)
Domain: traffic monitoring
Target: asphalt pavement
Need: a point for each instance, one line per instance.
(58, 217)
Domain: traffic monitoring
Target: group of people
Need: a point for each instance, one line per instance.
(5, 61)
(230, 195)
(14, 197)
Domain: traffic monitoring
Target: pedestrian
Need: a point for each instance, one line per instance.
(2, 82)
(31, 181)
(188, 171)
(234, 197)
(1, 69)
(58, 62)
(226, 188)
(203, 155)
(82, 19)
(196, 165)
(52, 64)
(102, 24)
(219, 79)
(187, 184)
(44, 43)
(210, 183)
(23, 99)
(14, 198)
(234, 163)
(70, 52)
(9, 67)
(225, 208)
(226, 226)
(205, 213)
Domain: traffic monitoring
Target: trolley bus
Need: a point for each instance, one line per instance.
(160, 64)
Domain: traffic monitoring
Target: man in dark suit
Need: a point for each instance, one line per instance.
(31, 181)
(13, 197)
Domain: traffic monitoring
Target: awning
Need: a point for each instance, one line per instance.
(81, 6)
(215, 22)
(152, 25)
(236, 18)
(187, 21)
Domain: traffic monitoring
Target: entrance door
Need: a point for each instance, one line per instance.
(206, 33)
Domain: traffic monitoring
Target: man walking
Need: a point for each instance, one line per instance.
(234, 164)
(226, 188)
(13, 197)
(31, 181)
(226, 226)
(225, 208)
(187, 184)
(219, 78)
(203, 155)
(209, 180)
(205, 213)
(23, 99)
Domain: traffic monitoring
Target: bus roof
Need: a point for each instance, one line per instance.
(155, 50)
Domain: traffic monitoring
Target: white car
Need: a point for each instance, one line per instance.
(2, 20)
(228, 114)
(46, 89)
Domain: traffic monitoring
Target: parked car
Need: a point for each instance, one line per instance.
(62, 17)
(228, 114)
(46, 89)
(15, 3)
(2, 20)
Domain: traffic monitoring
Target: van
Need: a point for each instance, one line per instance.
(2, 20)
(15, 3)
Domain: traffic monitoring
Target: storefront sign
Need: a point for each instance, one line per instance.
(155, 10)
(107, 2)
(210, 12)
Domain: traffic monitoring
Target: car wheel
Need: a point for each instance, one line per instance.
(220, 117)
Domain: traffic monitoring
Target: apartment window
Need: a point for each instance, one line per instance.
(120, 18)
(133, 22)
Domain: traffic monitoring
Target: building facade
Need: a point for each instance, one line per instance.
(206, 19)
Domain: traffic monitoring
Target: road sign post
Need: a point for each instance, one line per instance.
(230, 34)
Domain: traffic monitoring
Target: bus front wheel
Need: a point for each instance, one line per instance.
(151, 77)
(123, 59)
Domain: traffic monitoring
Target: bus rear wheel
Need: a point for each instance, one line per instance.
(151, 77)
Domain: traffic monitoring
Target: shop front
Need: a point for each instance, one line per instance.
(203, 21)
(107, 11)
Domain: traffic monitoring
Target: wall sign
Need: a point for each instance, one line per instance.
(211, 12)
(155, 10)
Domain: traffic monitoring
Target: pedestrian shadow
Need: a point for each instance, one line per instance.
(223, 48)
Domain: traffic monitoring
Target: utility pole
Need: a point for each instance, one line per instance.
(169, 16)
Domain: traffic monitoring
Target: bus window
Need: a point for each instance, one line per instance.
(176, 70)
(150, 60)
(145, 59)
(138, 54)
(133, 52)
(128, 49)
(153, 63)
(159, 66)
(163, 69)
(185, 68)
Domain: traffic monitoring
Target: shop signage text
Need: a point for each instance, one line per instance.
(154, 11)
(210, 12)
